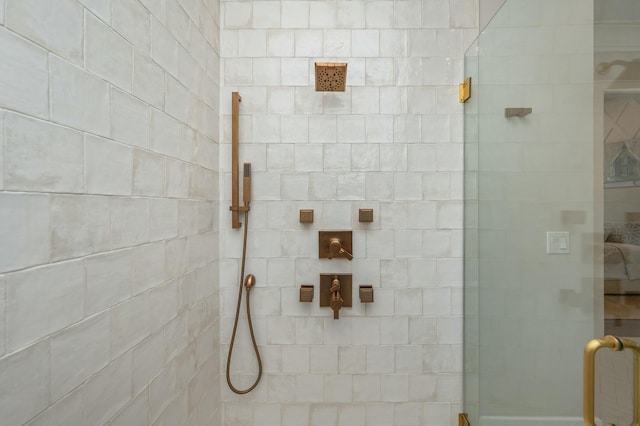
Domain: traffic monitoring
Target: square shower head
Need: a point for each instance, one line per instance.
(331, 76)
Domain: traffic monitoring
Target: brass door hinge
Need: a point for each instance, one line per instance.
(465, 90)
(463, 420)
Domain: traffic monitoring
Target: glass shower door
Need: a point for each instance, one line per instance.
(533, 215)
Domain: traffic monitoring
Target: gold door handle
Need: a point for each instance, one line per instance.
(589, 366)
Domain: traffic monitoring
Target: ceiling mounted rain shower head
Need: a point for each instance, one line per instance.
(331, 76)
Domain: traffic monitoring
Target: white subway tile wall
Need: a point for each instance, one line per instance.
(109, 212)
(390, 141)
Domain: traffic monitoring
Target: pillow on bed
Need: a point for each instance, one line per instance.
(624, 233)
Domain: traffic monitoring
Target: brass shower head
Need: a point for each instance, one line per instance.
(331, 76)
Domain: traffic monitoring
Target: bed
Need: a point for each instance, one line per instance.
(622, 257)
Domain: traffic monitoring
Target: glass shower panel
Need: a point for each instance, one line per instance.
(617, 106)
(529, 313)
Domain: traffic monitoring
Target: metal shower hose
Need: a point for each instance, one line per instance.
(248, 282)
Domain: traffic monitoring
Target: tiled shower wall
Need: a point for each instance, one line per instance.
(391, 142)
(108, 212)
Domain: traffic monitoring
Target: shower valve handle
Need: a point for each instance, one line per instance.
(336, 249)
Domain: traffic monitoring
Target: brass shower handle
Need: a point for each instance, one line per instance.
(336, 249)
(589, 356)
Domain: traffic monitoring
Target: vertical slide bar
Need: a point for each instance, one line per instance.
(235, 154)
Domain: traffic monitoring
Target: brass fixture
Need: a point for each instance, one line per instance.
(335, 244)
(306, 293)
(365, 215)
(236, 208)
(517, 112)
(335, 292)
(366, 294)
(331, 76)
(615, 344)
(464, 90)
(249, 281)
(463, 419)
(306, 216)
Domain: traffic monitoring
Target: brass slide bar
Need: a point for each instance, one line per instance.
(589, 365)
(235, 154)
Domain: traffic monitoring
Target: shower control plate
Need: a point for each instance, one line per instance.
(345, 289)
(324, 242)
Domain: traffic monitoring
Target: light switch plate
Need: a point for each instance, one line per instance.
(558, 243)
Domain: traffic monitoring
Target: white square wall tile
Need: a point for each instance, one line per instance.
(165, 133)
(79, 226)
(107, 54)
(294, 14)
(108, 167)
(365, 43)
(237, 14)
(435, 14)
(337, 388)
(42, 157)
(294, 72)
(134, 412)
(148, 267)
(352, 415)
(252, 43)
(394, 387)
(70, 366)
(323, 14)
(129, 221)
(28, 373)
(407, 14)
(280, 43)
(148, 80)
(2, 3)
(25, 231)
(266, 14)
(132, 20)
(98, 7)
(108, 391)
(108, 280)
(164, 47)
(78, 99)
(337, 43)
(58, 27)
(30, 316)
(130, 119)
(308, 43)
(379, 14)
(352, 14)
(366, 387)
(24, 81)
(68, 410)
(129, 324)
(380, 414)
(149, 171)
(266, 72)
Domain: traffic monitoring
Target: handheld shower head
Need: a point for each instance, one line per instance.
(246, 184)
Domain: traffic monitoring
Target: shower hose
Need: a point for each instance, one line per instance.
(248, 282)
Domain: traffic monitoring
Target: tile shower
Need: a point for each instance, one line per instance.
(118, 264)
